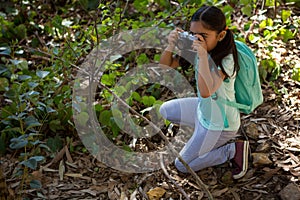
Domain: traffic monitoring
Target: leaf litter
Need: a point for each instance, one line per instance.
(274, 168)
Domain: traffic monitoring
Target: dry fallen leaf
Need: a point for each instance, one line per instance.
(227, 178)
(261, 159)
(263, 147)
(252, 130)
(218, 193)
(74, 175)
(156, 193)
(61, 170)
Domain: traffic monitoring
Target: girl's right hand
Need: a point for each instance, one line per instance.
(173, 37)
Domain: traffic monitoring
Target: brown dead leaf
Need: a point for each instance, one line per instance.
(263, 147)
(123, 196)
(35, 175)
(91, 192)
(217, 193)
(269, 174)
(156, 193)
(61, 170)
(261, 159)
(235, 194)
(252, 130)
(68, 155)
(100, 188)
(74, 175)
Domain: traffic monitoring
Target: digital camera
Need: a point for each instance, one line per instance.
(185, 40)
(184, 43)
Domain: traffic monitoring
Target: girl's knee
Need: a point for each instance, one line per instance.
(162, 110)
(180, 167)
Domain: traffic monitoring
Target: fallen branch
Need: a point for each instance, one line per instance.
(161, 134)
(169, 177)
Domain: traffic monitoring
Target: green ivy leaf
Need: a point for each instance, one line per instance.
(108, 79)
(18, 143)
(82, 118)
(55, 125)
(32, 84)
(247, 10)
(5, 51)
(270, 2)
(104, 117)
(245, 2)
(253, 39)
(142, 59)
(32, 162)
(3, 84)
(42, 74)
(20, 64)
(287, 34)
(285, 14)
(35, 184)
(136, 96)
(31, 121)
(115, 57)
(120, 90)
(148, 100)
(140, 5)
(55, 144)
(118, 118)
(24, 77)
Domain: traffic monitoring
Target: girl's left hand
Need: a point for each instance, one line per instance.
(200, 45)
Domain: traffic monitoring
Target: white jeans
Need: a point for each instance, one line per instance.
(206, 147)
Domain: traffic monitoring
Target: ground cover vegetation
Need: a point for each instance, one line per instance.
(42, 45)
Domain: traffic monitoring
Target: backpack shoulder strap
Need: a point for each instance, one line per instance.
(233, 104)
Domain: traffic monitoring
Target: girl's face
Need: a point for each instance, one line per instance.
(211, 37)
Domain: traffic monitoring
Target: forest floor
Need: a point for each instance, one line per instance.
(274, 168)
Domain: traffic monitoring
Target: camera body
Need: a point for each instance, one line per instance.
(185, 41)
(184, 44)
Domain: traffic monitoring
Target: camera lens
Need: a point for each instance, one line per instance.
(180, 44)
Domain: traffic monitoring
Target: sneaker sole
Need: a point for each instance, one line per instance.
(245, 163)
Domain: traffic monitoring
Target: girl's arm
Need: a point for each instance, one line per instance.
(168, 59)
(167, 56)
(208, 81)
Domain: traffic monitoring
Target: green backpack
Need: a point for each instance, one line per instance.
(247, 85)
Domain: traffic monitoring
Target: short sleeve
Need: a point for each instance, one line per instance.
(228, 64)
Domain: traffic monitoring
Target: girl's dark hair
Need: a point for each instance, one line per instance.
(213, 19)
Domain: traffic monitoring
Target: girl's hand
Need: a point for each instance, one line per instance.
(173, 37)
(200, 45)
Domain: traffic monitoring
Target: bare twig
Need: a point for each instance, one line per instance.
(52, 56)
(170, 178)
(143, 193)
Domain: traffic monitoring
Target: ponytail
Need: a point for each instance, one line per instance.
(223, 48)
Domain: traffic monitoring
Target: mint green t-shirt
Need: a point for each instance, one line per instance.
(213, 114)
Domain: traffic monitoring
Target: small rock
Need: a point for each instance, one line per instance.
(290, 192)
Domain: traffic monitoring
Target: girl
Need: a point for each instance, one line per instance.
(216, 66)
